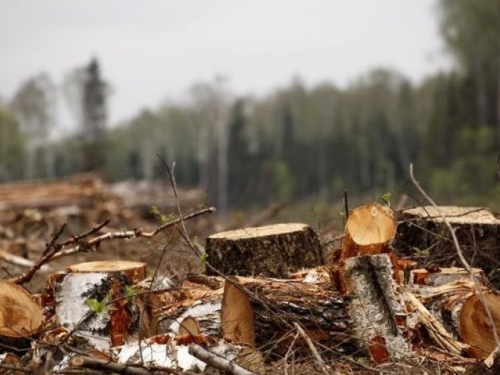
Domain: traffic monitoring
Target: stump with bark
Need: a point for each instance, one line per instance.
(98, 300)
(274, 250)
(422, 234)
(368, 231)
(20, 316)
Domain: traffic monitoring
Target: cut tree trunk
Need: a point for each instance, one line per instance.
(20, 316)
(133, 271)
(99, 302)
(277, 304)
(368, 231)
(378, 318)
(461, 310)
(422, 234)
(274, 250)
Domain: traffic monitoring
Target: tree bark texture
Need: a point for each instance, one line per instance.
(274, 251)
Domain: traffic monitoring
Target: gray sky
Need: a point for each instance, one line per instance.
(153, 50)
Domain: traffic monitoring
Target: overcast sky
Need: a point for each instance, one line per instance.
(155, 50)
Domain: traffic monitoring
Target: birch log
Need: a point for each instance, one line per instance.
(376, 308)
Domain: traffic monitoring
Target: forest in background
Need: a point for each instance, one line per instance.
(297, 142)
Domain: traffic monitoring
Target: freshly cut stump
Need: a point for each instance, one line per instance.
(134, 271)
(368, 231)
(274, 250)
(20, 316)
(98, 299)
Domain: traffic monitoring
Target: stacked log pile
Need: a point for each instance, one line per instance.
(249, 310)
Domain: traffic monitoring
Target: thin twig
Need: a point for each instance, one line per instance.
(217, 362)
(50, 249)
(313, 349)
(128, 234)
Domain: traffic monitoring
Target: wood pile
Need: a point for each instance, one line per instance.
(366, 309)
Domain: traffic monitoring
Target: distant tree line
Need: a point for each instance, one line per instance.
(296, 142)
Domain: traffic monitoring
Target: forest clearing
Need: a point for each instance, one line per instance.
(253, 300)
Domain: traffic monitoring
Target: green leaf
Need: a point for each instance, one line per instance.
(130, 291)
(386, 197)
(203, 258)
(96, 306)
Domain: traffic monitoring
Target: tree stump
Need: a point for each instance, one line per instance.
(133, 271)
(423, 234)
(274, 250)
(20, 316)
(99, 301)
(368, 231)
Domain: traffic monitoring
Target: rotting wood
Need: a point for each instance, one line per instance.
(20, 316)
(274, 250)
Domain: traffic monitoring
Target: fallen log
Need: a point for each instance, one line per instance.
(376, 308)
(274, 250)
(277, 304)
(20, 316)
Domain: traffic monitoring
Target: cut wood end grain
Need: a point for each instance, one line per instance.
(135, 271)
(256, 232)
(20, 316)
(475, 327)
(370, 224)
